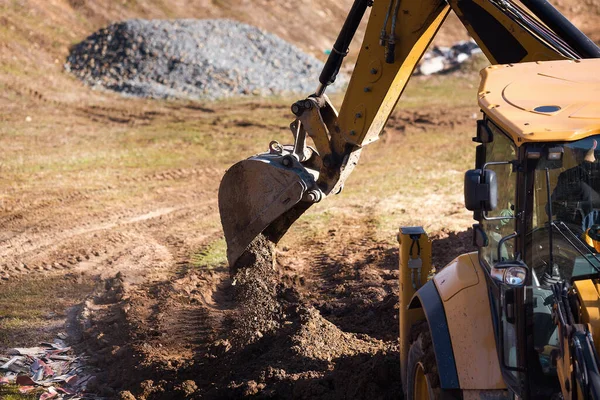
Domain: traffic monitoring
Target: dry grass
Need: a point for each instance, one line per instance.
(12, 393)
(27, 305)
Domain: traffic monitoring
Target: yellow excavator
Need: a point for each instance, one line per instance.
(519, 318)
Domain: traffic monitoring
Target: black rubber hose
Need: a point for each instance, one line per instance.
(383, 35)
(563, 28)
(340, 48)
(390, 56)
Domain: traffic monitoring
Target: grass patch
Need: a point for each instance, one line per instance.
(212, 256)
(457, 90)
(11, 392)
(27, 306)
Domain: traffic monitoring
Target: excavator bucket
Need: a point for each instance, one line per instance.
(256, 192)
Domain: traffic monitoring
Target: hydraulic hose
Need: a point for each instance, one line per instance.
(340, 48)
(390, 56)
(563, 28)
(383, 36)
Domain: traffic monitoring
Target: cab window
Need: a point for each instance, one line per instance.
(502, 224)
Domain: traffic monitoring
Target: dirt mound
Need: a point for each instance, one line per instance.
(298, 351)
(193, 59)
(254, 334)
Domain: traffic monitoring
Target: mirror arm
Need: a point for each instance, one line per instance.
(504, 239)
(495, 163)
(485, 217)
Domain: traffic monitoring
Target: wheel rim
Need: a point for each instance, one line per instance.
(421, 384)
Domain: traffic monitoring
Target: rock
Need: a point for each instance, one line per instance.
(192, 59)
(126, 395)
(252, 388)
(187, 388)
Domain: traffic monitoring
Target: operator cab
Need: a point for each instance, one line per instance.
(536, 195)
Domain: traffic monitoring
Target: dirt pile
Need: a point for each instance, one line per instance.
(254, 334)
(193, 59)
(286, 348)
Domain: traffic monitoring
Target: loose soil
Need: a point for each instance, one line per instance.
(136, 263)
(323, 329)
(110, 229)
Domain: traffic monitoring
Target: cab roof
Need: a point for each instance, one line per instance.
(544, 101)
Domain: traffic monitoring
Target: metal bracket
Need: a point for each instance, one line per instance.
(300, 150)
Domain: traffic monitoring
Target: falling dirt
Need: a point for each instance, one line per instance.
(258, 310)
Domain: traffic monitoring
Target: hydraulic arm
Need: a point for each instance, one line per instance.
(268, 192)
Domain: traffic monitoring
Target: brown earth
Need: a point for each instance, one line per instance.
(110, 230)
(137, 255)
(154, 312)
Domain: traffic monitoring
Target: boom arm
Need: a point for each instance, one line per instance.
(268, 192)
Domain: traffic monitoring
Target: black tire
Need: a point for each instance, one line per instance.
(422, 355)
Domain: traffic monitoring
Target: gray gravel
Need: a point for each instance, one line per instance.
(192, 59)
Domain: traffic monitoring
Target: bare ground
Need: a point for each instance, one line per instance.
(109, 227)
(130, 261)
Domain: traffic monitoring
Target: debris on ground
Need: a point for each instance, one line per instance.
(192, 59)
(446, 59)
(50, 369)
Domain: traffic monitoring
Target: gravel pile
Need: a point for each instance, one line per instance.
(192, 59)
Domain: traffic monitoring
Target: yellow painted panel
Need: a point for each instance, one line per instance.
(408, 279)
(470, 324)
(590, 306)
(376, 86)
(510, 94)
(458, 275)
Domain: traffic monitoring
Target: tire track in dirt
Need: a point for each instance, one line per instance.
(25, 243)
(37, 239)
(67, 249)
(17, 213)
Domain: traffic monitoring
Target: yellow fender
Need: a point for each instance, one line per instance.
(457, 307)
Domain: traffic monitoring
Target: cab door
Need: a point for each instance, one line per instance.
(498, 228)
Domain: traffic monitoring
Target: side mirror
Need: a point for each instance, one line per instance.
(481, 190)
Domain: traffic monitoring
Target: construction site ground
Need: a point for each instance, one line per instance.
(110, 232)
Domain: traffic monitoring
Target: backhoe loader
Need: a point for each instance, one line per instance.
(520, 317)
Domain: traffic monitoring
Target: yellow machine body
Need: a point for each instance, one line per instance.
(465, 313)
(463, 289)
(415, 269)
(565, 107)
(588, 293)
